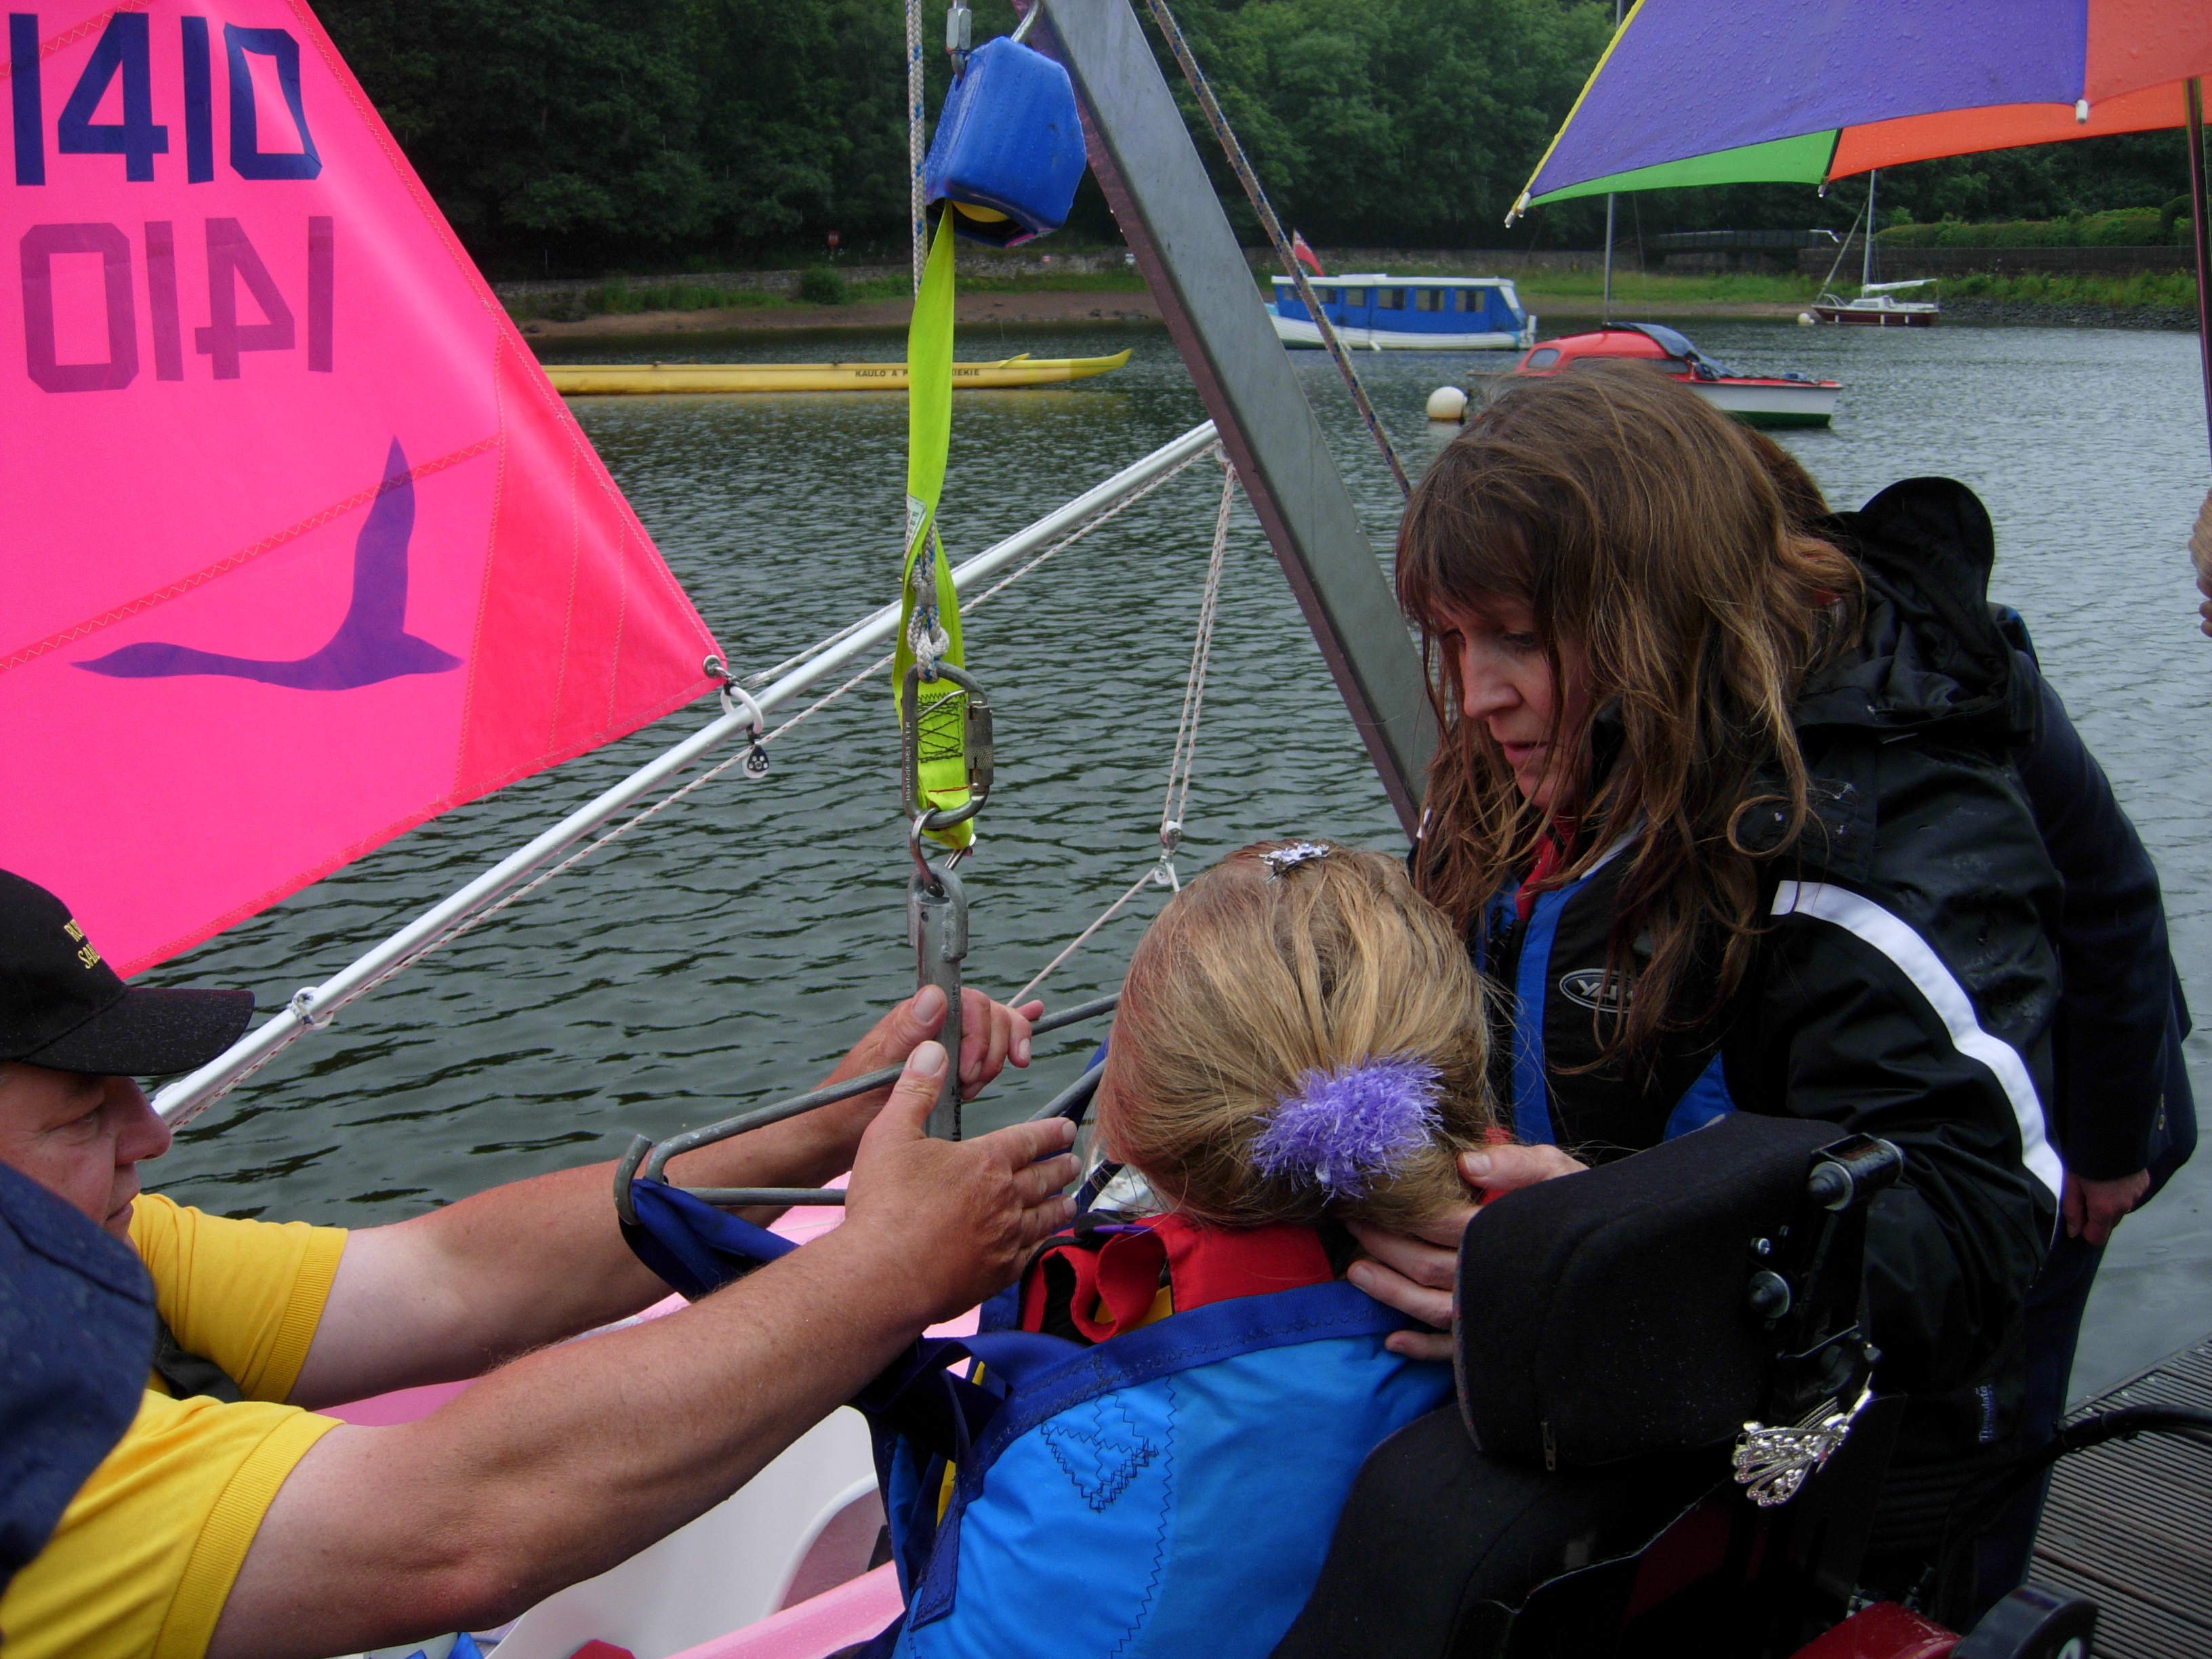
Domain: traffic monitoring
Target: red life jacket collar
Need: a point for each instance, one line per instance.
(1121, 1278)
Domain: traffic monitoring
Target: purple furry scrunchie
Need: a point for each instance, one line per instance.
(1340, 1129)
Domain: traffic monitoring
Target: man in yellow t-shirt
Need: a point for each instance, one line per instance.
(235, 1522)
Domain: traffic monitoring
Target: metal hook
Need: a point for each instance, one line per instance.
(626, 1172)
(923, 873)
(735, 700)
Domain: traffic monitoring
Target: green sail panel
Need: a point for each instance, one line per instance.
(1800, 161)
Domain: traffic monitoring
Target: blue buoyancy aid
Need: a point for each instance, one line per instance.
(1169, 1492)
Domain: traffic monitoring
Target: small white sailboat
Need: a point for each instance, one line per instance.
(1874, 307)
(1877, 308)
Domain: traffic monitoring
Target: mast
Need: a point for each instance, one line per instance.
(1142, 154)
(1866, 267)
(1609, 201)
(2196, 100)
(1608, 257)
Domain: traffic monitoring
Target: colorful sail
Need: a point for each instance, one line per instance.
(305, 550)
(1714, 92)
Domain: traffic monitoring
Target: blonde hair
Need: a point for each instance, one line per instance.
(1250, 983)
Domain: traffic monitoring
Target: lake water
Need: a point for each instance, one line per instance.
(727, 953)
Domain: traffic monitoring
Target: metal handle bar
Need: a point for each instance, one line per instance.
(1073, 1101)
(646, 1158)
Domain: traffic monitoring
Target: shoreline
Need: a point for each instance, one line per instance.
(1067, 309)
(1050, 308)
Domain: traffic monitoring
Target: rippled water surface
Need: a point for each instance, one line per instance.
(725, 953)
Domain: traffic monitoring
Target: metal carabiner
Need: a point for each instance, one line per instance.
(976, 746)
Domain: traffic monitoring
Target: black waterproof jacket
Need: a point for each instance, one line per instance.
(2122, 1101)
(1905, 986)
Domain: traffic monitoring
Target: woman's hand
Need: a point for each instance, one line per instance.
(1417, 1274)
(2094, 1208)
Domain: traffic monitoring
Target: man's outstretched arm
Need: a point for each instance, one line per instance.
(558, 1466)
(450, 1294)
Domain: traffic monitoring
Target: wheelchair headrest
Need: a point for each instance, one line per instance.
(1636, 1307)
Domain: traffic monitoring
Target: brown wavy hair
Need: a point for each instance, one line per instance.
(1248, 982)
(1645, 532)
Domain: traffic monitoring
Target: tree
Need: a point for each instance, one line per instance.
(541, 126)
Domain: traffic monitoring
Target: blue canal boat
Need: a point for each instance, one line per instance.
(1407, 313)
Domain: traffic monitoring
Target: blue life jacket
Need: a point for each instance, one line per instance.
(1171, 1491)
(76, 1329)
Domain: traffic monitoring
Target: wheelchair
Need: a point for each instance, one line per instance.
(1668, 1437)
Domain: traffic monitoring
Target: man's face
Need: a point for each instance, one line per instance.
(80, 1137)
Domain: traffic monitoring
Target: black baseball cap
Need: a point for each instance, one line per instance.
(62, 1007)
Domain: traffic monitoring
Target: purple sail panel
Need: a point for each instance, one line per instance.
(1688, 77)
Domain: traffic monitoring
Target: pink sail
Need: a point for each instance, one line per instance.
(303, 549)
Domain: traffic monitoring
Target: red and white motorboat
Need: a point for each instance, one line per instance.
(1790, 399)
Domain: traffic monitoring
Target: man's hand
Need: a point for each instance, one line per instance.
(1416, 1275)
(955, 1219)
(573, 1458)
(991, 1034)
(454, 1292)
(807, 1150)
(2094, 1208)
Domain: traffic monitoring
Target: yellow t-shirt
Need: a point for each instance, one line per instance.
(148, 1549)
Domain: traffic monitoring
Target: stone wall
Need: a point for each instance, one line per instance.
(1454, 262)
(1898, 265)
(969, 259)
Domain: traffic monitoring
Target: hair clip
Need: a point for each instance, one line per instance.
(1284, 860)
(1342, 1128)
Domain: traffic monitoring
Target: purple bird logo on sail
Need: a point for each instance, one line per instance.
(372, 643)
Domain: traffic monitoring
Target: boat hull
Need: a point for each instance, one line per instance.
(1298, 331)
(1868, 317)
(637, 379)
(1770, 402)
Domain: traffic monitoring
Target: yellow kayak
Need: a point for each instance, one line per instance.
(602, 378)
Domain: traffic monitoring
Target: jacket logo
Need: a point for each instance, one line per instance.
(1102, 1460)
(1587, 986)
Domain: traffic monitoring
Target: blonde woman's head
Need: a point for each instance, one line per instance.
(1301, 1035)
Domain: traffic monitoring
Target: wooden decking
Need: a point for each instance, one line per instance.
(2130, 1524)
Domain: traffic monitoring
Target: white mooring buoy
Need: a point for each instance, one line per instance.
(1448, 402)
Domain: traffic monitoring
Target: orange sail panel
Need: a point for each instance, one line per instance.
(2001, 126)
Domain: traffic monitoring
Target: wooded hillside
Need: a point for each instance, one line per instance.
(574, 136)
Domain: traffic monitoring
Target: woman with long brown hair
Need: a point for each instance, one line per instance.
(1728, 813)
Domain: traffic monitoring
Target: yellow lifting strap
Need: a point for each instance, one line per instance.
(929, 605)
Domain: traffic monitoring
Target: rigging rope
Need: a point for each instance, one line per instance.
(474, 919)
(1162, 870)
(1243, 168)
(913, 150)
